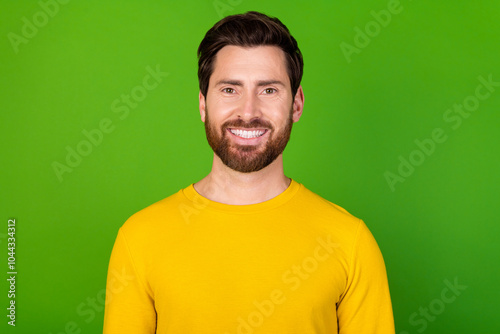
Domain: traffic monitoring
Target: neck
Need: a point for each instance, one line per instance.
(228, 186)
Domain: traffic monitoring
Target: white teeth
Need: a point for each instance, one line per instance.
(247, 134)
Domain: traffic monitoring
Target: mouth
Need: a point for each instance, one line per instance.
(247, 136)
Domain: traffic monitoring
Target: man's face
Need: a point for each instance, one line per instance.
(249, 109)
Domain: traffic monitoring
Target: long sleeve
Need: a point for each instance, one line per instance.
(294, 264)
(365, 306)
(129, 306)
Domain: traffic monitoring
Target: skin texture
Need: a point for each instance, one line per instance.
(249, 89)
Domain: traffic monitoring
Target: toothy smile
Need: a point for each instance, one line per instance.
(247, 134)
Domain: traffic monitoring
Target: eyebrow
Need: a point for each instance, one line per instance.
(240, 83)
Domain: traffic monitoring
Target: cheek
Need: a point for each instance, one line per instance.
(279, 113)
(222, 106)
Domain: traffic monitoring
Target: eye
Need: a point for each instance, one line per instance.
(269, 90)
(228, 90)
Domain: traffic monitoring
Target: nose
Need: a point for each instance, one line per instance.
(250, 107)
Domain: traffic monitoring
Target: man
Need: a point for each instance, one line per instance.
(247, 249)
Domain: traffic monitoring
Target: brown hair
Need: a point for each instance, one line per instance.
(248, 30)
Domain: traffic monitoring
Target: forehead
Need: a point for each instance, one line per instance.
(250, 64)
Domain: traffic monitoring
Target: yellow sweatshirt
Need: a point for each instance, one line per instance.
(295, 264)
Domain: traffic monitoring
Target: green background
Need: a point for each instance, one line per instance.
(362, 115)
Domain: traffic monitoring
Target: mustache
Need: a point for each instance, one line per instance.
(255, 123)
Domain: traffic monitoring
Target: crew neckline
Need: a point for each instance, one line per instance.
(201, 202)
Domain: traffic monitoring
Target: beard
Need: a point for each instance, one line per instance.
(247, 158)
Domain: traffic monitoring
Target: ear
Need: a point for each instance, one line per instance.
(298, 104)
(202, 107)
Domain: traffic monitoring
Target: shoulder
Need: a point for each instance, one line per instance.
(319, 205)
(326, 218)
(154, 216)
